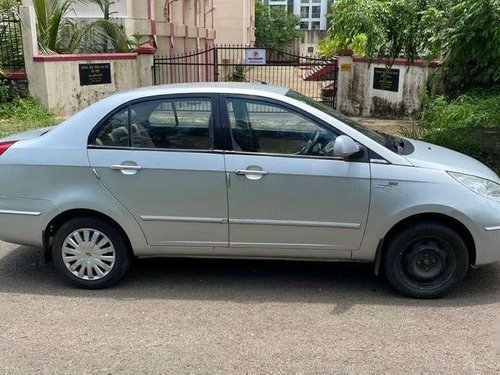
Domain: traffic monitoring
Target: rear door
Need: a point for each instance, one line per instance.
(286, 196)
(157, 157)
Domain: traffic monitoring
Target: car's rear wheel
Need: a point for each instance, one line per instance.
(90, 253)
(426, 260)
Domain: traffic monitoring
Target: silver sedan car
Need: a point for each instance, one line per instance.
(243, 171)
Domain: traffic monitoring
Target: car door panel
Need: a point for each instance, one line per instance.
(302, 203)
(176, 194)
(178, 198)
(284, 204)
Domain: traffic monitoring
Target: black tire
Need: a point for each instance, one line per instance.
(426, 260)
(122, 254)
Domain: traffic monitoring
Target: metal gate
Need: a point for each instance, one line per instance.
(315, 77)
(11, 42)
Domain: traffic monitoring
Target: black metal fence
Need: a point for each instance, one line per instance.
(11, 42)
(312, 76)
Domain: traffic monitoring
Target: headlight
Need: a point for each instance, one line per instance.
(481, 186)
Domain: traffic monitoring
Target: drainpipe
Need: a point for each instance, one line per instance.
(196, 24)
(185, 26)
(152, 24)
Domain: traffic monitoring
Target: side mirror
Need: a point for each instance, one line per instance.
(345, 146)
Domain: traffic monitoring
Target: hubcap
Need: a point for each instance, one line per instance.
(88, 254)
(428, 263)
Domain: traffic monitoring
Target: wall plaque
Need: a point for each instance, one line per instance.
(386, 79)
(346, 68)
(94, 74)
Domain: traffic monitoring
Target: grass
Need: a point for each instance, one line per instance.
(23, 114)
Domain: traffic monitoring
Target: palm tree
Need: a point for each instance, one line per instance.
(58, 33)
(104, 5)
(51, 16)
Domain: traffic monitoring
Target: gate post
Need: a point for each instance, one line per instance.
(37, 76)
(145, 65)
(216, 64)
(153, 71)
(344, 79)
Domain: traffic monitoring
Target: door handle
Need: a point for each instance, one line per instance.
(120, 167)
(251, 174)
(126, 169)
(244, 172)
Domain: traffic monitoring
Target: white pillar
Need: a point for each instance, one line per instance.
(37, 79)
(344, 80)
(145, 64)
(28, 24)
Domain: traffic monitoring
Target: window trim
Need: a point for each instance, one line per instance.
(228, 145)
(216, 123)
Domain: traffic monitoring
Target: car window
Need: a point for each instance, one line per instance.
(393, 143)
(263, 127)
(167, 124)
(114, 132)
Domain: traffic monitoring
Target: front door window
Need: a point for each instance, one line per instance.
(262, 127)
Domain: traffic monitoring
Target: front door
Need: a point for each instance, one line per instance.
(286, 196)
(156, 157)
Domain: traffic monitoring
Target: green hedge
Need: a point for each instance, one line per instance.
(469, 124)
(20, 114)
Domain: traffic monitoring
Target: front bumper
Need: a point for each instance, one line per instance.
(482, 217)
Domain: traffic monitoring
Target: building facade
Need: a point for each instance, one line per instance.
(313, 20)
(179, 26)
(234, 22)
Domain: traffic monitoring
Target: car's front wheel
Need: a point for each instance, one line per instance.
(90, 253)
(426, 260)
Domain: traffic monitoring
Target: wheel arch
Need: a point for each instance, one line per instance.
(61, 218)
(453, 223)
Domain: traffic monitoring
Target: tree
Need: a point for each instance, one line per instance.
(472, 45)
(104, 5)
(51, 17)
(387, 28)
(465, 34)
(59, 33)
(274, 27)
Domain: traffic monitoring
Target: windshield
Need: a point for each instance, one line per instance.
(391, 142)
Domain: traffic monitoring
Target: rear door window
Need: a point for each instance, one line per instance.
(183, 123)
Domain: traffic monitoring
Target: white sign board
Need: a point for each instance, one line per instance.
(255, 56)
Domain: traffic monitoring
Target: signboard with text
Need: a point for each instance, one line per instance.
(346, 68)
(255, 56)
(386, 79)
(94, 74)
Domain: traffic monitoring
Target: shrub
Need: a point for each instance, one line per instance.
(22, 114)
(469, 124)
(471, 110)
(6, 91)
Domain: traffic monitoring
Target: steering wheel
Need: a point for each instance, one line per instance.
(308, 147)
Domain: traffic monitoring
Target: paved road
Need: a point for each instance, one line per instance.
(236, 317)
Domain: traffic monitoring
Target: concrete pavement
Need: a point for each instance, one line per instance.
(241, 317)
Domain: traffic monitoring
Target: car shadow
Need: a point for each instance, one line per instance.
(343, 285)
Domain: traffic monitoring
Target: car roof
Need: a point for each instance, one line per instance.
(203, 87)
